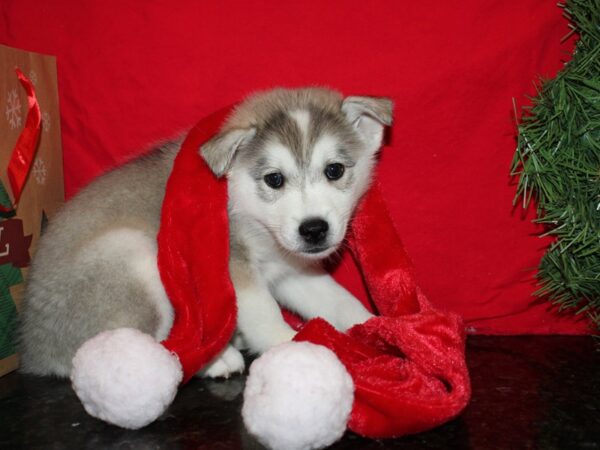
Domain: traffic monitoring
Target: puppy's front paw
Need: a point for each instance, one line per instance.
(230, 361)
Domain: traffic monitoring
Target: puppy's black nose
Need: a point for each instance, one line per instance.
(313, 231)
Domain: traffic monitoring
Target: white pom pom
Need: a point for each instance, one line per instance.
(298, 396)
(125, 377)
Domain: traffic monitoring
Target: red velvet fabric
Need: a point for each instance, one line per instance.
(193, 254)
(132, 72)
(408, 365)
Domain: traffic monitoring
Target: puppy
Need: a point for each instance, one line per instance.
(297, 163)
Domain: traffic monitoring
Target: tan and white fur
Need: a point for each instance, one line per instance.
(297, 163)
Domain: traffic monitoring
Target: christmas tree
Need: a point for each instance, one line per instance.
(558, 164)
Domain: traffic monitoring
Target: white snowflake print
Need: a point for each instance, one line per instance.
(39, 171)
(13, 109)
(46, 124)
(33, 76)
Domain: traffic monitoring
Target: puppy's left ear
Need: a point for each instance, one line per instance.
(220, 150)
(369, 115)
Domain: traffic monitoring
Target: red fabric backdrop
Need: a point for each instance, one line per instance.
(133, 72)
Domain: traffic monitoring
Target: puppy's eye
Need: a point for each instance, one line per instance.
(334, 171)
(274, 180)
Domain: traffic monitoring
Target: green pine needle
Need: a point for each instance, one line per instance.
(558, 164)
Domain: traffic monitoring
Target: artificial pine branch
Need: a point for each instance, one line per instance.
(558, 164)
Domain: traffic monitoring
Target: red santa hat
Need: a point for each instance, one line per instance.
(401, 372)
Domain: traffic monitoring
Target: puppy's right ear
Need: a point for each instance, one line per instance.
(368, 115)
(220, 150)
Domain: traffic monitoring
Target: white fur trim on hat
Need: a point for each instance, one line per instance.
(298, 395)
(125, 377)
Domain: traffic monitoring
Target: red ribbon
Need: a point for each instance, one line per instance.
(22, 155)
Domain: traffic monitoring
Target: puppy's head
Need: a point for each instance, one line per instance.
(298, 161)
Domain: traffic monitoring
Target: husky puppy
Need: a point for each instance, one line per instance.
(297, 163)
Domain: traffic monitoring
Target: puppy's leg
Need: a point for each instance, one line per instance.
(318, 295)
(259, 318)
(228, 362)
(260, 324)
(110, 282)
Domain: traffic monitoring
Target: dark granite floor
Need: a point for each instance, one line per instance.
(528, 393)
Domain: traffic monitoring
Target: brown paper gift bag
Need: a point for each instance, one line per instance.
(42, 193)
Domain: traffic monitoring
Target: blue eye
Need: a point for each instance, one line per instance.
(334, 171)
(274, 180)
